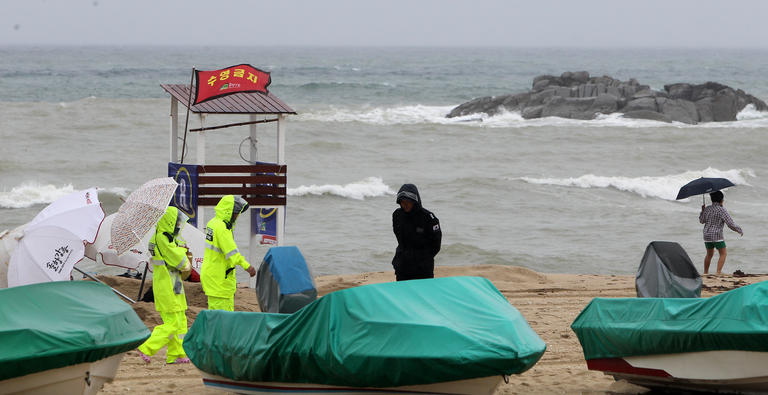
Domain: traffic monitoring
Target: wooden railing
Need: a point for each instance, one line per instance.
(259, 185)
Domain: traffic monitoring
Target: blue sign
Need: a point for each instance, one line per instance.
(186, 194)
(264, 223)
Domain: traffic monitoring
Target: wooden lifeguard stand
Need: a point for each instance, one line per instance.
(263, 185)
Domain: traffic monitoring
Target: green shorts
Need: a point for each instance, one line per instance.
(714, 244)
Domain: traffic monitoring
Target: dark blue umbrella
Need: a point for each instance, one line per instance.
(703, 185)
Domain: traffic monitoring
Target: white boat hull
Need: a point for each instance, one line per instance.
(84, 378)
(478, 386)
(722, 371)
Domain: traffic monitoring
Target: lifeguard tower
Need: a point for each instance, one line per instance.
(262, 184)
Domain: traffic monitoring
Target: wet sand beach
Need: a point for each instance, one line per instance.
(550, 302)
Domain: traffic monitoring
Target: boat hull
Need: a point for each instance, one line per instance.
(722, 371)
(83, 378)
(478, 386)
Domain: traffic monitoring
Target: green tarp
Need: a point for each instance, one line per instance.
(379, 335)
(56, 324)
(620, 327)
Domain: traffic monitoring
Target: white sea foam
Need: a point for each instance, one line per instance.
(119, 191)
(345, 67)
(748, 118)
(750, 112)
(402, 115)
(663, 187)
(369, 187)
(31, 193)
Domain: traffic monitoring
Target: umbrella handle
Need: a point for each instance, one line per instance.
(143, 277)
(99, 281)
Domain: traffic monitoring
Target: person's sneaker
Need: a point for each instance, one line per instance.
(144, 357)
(180, 360)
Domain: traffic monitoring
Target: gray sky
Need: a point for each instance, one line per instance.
(532, 23)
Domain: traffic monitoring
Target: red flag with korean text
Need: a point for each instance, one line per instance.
(233, 79)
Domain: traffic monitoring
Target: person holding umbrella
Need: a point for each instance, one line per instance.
(713, 217)
(171, 265)
(217, 274)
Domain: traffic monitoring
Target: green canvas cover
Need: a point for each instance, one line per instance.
(379, 335)
(621, 327)
(55, 324)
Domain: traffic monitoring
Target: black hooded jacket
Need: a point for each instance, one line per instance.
(418, 238)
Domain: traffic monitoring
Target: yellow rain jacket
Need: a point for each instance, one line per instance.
(168, 260)
(217, 274)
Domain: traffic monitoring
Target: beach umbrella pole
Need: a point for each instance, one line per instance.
(97, 280)
(143, 277)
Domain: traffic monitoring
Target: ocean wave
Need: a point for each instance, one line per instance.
(416, 114)
(470, 253)
(748, 118)
(369, 187)
(345, 67)
(662, 187)
(29, 194)
(750, 112)
(345, 85)
(85, 72)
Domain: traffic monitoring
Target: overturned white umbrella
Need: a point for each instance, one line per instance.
(55, 239)
(140, 213)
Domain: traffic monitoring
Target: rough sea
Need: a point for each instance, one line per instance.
(553, 195)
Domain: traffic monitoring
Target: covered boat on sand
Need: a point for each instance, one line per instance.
(64, 337)
(714, 344)
(453, 335)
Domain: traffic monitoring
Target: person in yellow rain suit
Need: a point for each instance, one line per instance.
(170, 265)
(221, 255)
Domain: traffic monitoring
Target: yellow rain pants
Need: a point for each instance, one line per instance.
(227, 304)
(168, 334)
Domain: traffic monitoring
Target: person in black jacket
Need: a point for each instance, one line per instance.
(418, 236)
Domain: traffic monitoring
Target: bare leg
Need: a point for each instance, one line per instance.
(708, 259)
(721, 259)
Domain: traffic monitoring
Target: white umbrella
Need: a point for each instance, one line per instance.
(137, 256)
(140, 212)
(55, 239)
(8, 242)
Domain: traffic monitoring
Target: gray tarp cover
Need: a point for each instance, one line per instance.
(285, 283)
(666, 271)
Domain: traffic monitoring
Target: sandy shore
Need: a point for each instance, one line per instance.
(550, 302)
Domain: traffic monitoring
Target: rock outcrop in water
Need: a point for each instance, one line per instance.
(576, 95)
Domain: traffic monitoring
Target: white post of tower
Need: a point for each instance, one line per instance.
(281, 161)
(174, 154)
(254, 241)
(201, 161)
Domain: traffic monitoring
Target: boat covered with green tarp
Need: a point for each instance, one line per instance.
(716, 343)
(379, 335)
(618, 327)
(58, 324)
